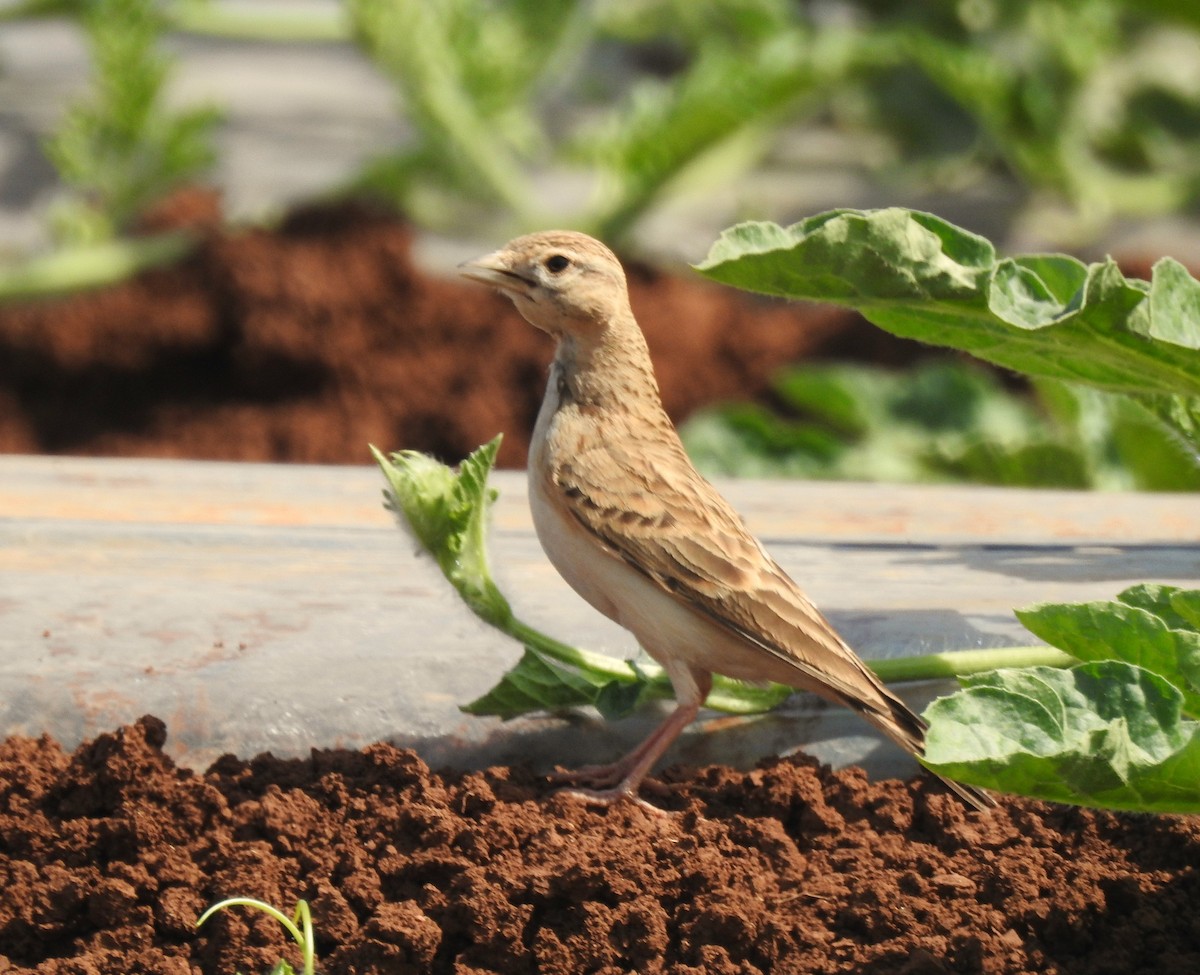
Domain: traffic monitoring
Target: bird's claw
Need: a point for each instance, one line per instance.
(589, 776)
(610, 797)
(604, 780)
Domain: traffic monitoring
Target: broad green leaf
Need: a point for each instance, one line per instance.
(447, 513)
(858, 258)
(617, 699)
(1182, 415)
(920, 277)
(537, 683)
(939, 421)
(1025, 464)
(747, 440)
(1159, 600)
(1175, 300)
(1151, 445)
(1129, 629)
(835, 395)
(1106, 734)
(1186, 602)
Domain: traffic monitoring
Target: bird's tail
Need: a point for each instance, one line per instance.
(969, 794)
(907, 730)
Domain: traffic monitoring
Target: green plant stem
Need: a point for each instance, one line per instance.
(411, 44)
(259, 25)
(962, 663)
(597, 663)
(725, 693)
(299, 926)
(91, 265)
(215, 20)
(31, 9)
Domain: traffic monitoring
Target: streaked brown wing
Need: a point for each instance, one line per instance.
(671, 525)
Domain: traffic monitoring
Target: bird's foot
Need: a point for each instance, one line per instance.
(599, 777)
(610, 797)
(604, 780)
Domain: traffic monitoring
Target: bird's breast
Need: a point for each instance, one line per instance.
(572, 550)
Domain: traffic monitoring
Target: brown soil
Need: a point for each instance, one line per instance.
(107, 857)
(308, 341)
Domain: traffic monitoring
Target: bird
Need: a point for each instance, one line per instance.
(641, 535)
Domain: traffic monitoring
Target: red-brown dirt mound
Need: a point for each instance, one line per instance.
(107, 857)
(308, 341)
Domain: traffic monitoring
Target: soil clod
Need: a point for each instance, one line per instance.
(107, 856)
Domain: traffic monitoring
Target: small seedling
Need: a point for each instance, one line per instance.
(299, 926)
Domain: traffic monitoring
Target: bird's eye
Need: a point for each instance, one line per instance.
(556, 263)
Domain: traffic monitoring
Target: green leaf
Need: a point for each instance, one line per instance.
(447, 513)
(617, 699)
(91, 265)
(1158, 600)
(857, 258)
(747, 440)
(920, 277)
(841, 397)
(538, 683)
(1186, 602)
(1151, 445)
(1141, 627)
(740, 697)
(1181, 414)
(1106, 734)
(1026, 464)
(1175, 302)
(938, 421)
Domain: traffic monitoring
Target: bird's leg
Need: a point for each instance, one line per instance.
(607, 775)
(647, 753)
(620, 781)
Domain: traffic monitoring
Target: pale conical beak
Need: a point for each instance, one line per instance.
(494, 270)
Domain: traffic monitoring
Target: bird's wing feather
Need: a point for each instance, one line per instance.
(646, 513)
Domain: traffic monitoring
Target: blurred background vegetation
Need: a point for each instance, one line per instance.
(1062, 119)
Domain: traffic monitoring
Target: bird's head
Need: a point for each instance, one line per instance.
(563, 282)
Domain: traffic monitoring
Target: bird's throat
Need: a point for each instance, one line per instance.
(610, 375)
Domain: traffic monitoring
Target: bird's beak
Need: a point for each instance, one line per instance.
(493, 269)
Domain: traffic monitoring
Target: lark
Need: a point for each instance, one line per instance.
(633, 527)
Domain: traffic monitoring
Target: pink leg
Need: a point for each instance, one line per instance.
(620, 781)
(606, 776)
